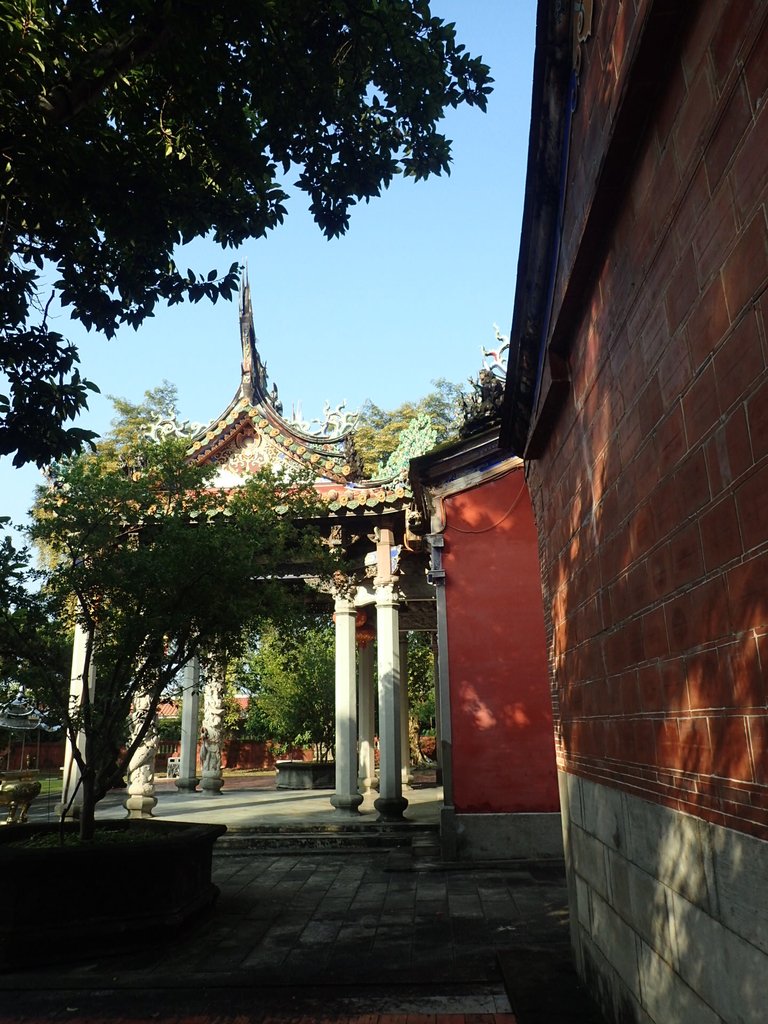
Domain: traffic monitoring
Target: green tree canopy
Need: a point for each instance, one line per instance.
(421, 679)
(132, 420)
(156, 567)
(129, 127)
(290, 676)
(379, 430)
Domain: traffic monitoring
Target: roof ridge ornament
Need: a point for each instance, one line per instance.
(168, 425)
(495, 359)
(254, 381)
(482, 405)
(335, 423)
(419, 437)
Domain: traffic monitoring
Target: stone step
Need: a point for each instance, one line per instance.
(427, 846)
(349, 836)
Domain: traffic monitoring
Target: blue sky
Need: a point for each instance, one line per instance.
(409, 294)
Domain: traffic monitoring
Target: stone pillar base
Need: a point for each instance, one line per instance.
(346, 802)
(390, 808)
(73, 814)
(139, 806)
(187, 785)
(211, 783)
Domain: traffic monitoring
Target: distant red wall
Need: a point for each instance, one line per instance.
(503, 746)
(48, 756)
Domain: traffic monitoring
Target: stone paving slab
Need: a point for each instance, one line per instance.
(343, 935)
(75, 1015)
(367, 939)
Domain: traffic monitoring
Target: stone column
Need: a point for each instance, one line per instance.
(391, 802)
(346, 798)
(365, 696)
(406, 773)
(71, 776)
(448, 830)
(190, 710)
(211, 736)
(141, 797)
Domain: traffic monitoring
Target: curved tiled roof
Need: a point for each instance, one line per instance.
(251, 433)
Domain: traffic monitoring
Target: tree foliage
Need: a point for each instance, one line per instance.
(290, 676)
(379, 430)
(156, 567)
(129, 127)
(421, 679)
(132, 420)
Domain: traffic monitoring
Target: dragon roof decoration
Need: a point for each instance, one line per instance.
(252, 432)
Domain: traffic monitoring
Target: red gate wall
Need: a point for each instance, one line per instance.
(503, 747)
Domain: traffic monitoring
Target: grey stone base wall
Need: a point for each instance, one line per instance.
(479, 837)
(669, 913)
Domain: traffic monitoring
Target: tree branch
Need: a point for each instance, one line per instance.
(112, 61)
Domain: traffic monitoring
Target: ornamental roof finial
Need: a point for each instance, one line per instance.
(251, 364)
(253, 383)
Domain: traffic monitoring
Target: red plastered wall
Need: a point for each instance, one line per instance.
(501, 718)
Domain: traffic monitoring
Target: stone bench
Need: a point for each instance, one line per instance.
(305, 775)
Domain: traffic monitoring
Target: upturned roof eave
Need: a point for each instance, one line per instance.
(551, 71)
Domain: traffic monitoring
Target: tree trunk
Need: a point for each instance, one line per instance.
(88, 808)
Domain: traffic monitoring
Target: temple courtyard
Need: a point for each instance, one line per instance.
(320, 921)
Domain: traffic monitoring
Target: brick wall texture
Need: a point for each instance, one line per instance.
(651, 497)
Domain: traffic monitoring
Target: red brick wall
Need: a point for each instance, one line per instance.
(651, 497)
(503, 756)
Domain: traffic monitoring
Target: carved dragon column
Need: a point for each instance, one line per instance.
(141, 797)
(211, 737)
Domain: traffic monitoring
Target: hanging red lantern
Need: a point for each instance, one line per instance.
(365, 632)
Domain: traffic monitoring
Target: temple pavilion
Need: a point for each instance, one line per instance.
(376, 523)
(444, 544)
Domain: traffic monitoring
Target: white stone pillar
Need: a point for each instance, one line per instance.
(366, 712)
(406, 773)
(190, 711)
(346, 798)
(211, 738)
(141, 797)
(71, 776)
(391, 802)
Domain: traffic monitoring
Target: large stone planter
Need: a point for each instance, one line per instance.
(64, 903)
(305, 775)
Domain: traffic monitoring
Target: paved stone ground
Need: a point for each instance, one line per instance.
(366, 936)
(360, 937)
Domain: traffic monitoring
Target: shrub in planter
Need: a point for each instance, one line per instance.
(132, 884)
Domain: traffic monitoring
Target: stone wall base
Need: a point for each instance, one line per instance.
(669, 913)
(480, 837)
